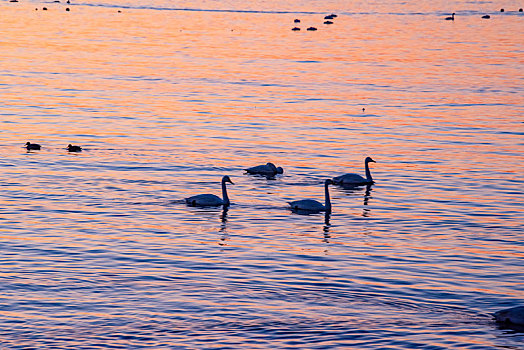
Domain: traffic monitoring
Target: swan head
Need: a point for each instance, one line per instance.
(328, 182)
(27, 143)
(280, 170)
(227, 179)
(369, 159)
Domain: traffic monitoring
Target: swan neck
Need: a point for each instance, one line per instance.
(368, 173)
(328, 199)
(225, 198)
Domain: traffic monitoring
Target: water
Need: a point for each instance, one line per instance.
(99, 251)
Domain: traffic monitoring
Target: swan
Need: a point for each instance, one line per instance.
(266, 169)
(355, 179)
(210, 200)
(71, 148)
(486, 16)
(311, 205)
(452, 18)
(32, 146)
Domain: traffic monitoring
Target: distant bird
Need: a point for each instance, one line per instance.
(295, 29)
(328, 22)
(312, 28)
(71, 148)
(329, 17)
(308, 206)
(486, 16)
(44, 8)
(67, 8)
(210, 200)
(68, 1)
(32, 146)
(363, 109)
(355, 179)
(268, 169)
(296, 20)
(452, 18)
(501, 10)
(333, 15)
(13, 0)
(520, 9)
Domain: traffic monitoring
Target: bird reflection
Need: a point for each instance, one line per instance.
(223, 227)
(327, 226)
(367, 195)
(352, 189)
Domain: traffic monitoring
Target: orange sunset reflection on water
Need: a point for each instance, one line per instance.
(100, 250)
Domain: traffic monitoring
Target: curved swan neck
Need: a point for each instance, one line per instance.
(368, 173)
(328, 200)
(225, 198)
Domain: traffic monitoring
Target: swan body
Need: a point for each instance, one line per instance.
(266, 169)
(515, 315)
(452, 18)
(71, 148)
(32, 146)
(210, 200)
(311, 205)
(355, 179)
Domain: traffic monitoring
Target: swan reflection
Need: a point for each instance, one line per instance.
(327, 226)
(223, 226)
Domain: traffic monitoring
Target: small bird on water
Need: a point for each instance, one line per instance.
(452, 18)
(32, 146)
(71, 148)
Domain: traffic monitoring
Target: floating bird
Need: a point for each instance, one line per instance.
(308, 206)
(329, 17)
(71, 148)
(295, 28)
(486, 16)
(520, 10)
(501, 10)
(32, 146)
(296, 20)
(312, 28)
(67, 8)
(44, 8)
(268, 169)
(333, 15)
(452, 18)
(210, 200)
(355, 179)
(514, 315)
(328, 22)
(13, 0)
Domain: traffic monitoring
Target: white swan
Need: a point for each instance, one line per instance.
(311, 205)
(266, 169)
(210, 200)
(355, 179)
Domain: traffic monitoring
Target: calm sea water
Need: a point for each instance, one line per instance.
(99, 251)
